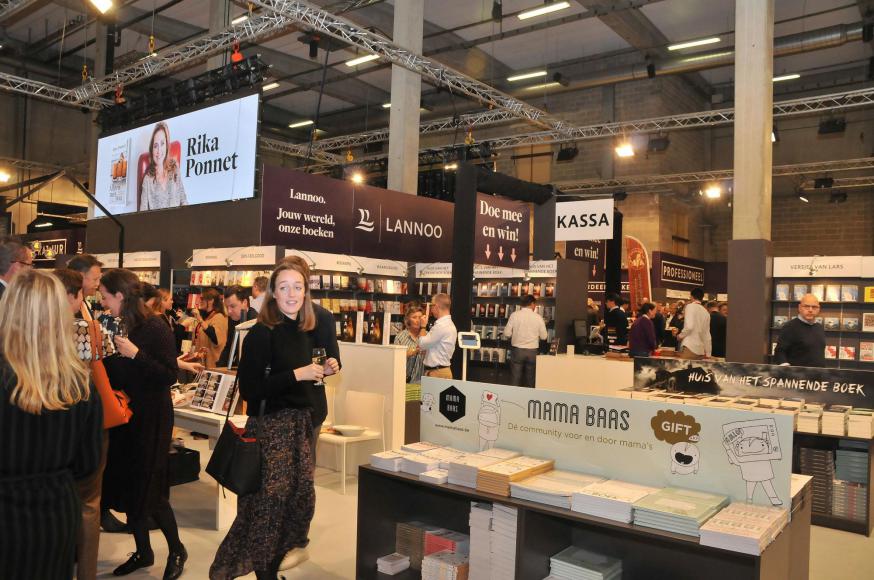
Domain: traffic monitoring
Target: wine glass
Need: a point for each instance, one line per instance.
(320, 357)
(121, 328)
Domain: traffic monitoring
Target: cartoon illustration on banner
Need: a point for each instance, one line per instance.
(752, 445)
(680, 431)
(489, 420)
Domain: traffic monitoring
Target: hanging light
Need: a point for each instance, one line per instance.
(102, 6)
(361, 60)
(357, 177)
(713, 191)
(625, 149)
(4, 176)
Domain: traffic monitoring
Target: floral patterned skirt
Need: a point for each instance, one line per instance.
(276, 518)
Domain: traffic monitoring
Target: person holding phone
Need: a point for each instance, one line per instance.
(277, 376)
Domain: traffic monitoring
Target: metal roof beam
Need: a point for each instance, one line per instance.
(10, 9)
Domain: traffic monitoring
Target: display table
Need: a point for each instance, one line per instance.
(385, 498)
(592, 375)
(210, 424)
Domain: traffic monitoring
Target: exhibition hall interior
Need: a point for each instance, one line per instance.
(447, 289)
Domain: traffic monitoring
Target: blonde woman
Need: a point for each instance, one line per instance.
(409, 337)
(51, 427)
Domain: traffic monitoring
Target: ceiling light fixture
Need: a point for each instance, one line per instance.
(801, 195)
(269, 87)
(361, 60)
(450, 166)
(240, 19)
(838, 197)
(549, 85)
(4, 176)
(547, 8)
(103, 6)
(50, 224)
(789, 77)
(713, 191)
(300, 124)
(525, 76)
(357, 177)
(694, 43)
(386, 105)
(625, 149)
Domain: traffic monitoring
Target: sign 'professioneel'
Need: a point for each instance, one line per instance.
(742, 454)
(502, 232)
(204, 156)
(584, 220)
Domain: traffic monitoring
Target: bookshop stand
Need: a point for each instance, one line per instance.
(386, 498)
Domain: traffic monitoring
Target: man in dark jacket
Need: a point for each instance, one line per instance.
(615, 321)
(660, 323)
(802, 339)
(15, 256)
(717, 330)
(239, 311)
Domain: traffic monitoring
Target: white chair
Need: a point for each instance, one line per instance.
(359, 408)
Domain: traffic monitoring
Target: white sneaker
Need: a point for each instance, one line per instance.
(294, 558)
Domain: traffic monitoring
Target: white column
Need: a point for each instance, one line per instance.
(218, 21)
(406, 92)
(753, 105)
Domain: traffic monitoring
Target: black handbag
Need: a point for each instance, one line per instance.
(183, 466)
(236, 459)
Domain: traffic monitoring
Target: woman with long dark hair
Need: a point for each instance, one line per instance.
(162, 184)
(135, 481)
(211, 332)
(277, 369)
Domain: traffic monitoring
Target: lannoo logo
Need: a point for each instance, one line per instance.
(364, 221)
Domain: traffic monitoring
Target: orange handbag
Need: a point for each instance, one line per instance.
(115, 403)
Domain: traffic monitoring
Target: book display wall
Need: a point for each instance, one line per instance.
(847, 311)
(146, 265)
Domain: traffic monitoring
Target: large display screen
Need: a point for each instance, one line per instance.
(204, 156)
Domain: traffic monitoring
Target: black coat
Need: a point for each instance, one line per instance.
(617, 320)
(718, 329)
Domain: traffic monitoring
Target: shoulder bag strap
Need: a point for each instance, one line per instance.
(96, 340)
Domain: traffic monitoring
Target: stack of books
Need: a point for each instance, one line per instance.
(446, 540)
(420, 447)
(388, 460)
(503, 561)
(681, 511)
(445, 565)
(820, 463)
(498, 453)
(612, 499)
(438, 476)
(444, 455)
(720, 402)
(787, 410)
(496, 478)
(464, 471)
(417, 463)
(850, 500)
(392, 564)
(575, 563)
(554, 487)
(834, 420)
(480, 540)
(410, 541)
(860, 423)
(809, 418)
(744, 527)
(851, 462)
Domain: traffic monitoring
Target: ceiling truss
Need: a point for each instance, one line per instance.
(9, 8)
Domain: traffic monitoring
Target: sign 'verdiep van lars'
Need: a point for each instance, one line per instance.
(584, 220)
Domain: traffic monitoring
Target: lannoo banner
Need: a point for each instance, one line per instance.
(745, 455)
(204, 156)
(584, 220)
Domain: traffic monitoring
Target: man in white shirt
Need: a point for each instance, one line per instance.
(259, 290)
(15, 257)
(525, 329)
(439, 344)
(695, 335)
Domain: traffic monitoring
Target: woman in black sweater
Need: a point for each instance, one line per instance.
(51, 429)
(135, 481)
(276, 376)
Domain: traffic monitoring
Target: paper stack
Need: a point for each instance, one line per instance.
(834, 420)
(503, 560)
(681, 511)
(496, 478)
(794, 402)
(464, 471)
(612, 499)
(388, 460)
(440, 540)
(786, 410)
(720, 402)
(645, 392)
(420, 447)
(417, 463)
(851, 462)
(849, 500)
(700, 399)
(438, 476)
(480, 540)
(498, 453)
(809, 418)
(392, 564)
(445, 565)
(575, 563)
(819, 463)
(410, 541)
(860, 423)
(554, 487)
(444, 455)
(744, 527)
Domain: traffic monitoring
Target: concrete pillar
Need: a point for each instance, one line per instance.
(750, 251)
(218, 21)
(98, 72)
(406, 92)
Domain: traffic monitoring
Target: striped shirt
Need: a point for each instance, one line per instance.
(415, 363)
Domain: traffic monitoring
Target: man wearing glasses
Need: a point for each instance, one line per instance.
(439, 344)
(802, 340)
(15, 257)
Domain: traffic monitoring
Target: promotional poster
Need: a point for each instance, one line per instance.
(742, 454)
(638, 271)
(821, 385)
(204, 156)
(502, 232)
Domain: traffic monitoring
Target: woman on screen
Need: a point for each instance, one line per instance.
(162, 185)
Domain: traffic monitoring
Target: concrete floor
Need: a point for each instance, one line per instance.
(835, 555)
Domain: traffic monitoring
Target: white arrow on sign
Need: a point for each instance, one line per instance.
(488, 252)
(501, 253)
(513, 254)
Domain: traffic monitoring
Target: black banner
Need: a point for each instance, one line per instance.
(820, 385)
(502, 232)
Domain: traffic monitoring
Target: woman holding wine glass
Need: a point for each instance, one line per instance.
(278, 374)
